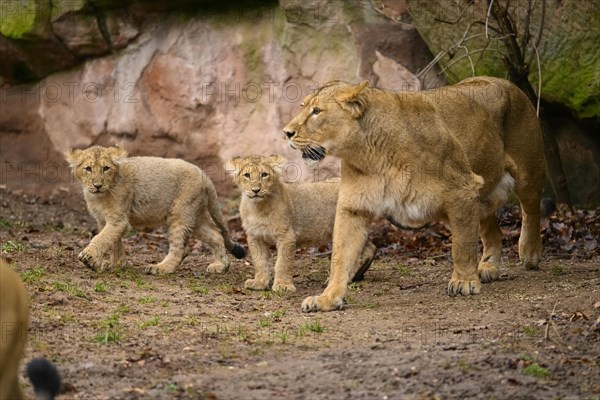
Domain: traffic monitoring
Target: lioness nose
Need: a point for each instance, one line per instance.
(289, 134)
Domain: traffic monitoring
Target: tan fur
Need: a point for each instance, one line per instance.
(147, 192)
(453, 153)
(286, 215)
(14, 320)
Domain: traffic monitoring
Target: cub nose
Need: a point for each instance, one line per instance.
(256, 190)
(289, 134)
(97, 185)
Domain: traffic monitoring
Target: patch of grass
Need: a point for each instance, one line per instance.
(110, 330)
(191, 320)
(147, 300)
(4, 223)
(151, 322)
(556, 269)
(200, 288)
(69, 288)
(277, 314)
(402, 269)
(100, 287)
(315, 326)
(34, 274)
(463, 365)
(372, 305)
(283, 337)
(12, 246)
(532, 330)
(263, 323)
(123, 308)
(353, 286)
(536, 370)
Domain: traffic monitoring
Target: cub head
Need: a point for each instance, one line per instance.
(257, 176)
(97, 167)
(328, 119)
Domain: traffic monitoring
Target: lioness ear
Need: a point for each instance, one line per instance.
(117, 153)
(277, 162)
(233, 166)
(354, 100)
(73, 157)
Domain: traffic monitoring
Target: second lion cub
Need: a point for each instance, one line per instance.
(287, 215)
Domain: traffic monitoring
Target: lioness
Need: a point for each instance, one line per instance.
(147, 192)
(14, 321)
(287, 215)
(452, 153)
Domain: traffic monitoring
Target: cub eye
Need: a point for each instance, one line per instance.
(105, 168)
(316, 111)
(88, 169)
(264, 174)
(247, 175)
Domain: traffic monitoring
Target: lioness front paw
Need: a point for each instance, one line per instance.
(159, 269)
(322, 303)
(216, 267)
(464, 287)
(256, 284)
(283, 286)
(488, 272)
(92, 260)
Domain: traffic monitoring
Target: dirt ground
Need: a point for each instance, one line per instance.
(193, 335)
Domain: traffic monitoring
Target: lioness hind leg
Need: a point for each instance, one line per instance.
(492, 249)
(364, 262)
(530, 241)
(210, 235)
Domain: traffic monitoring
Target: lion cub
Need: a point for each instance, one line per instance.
(147, 192)
(287, 215)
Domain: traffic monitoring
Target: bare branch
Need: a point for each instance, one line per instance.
(457, 20)
(458, 59)
(539, 92)
(487, 17)
(538, 38)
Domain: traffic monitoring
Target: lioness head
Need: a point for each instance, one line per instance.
(257, 176)
(328, 119)
(96, 167)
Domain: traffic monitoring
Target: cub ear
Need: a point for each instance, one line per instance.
(354, 100)
(277, 162)
(73, 157)
(117, 153)
(233, 166)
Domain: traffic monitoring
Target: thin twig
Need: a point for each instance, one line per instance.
(487, 17)
(470, 59)
(539, 93)
(549, 320)
(472, 52)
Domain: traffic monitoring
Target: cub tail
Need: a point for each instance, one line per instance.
(215, 212)
(44, 377)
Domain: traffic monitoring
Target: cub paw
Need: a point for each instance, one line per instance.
(159, 269)
(256, 284)
(283, 287)
(91, 260)
(488, 272)
(322, 303)
(216, 267)
(457, 286)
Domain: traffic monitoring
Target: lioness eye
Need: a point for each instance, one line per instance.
(105, 168)
(247, 175)
(264, 174)
(316, 111)
(88, 169)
